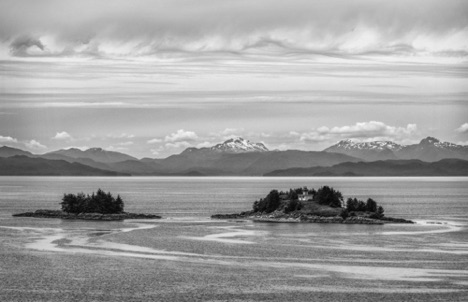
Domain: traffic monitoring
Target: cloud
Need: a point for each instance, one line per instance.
(62, 136)
(129, 143)
(178, 145)
(117, 148)
(463, 128)
(157, 151)
(26, 45)
(7, 139)
(364, 131)
(154, 141)
(227, 133)
(181, 135)
(204, 145)
(122, 135)
(231, 131)
(33, 144)
(146, 27)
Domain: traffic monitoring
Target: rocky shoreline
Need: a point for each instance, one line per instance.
(86, 216)
(307, 218)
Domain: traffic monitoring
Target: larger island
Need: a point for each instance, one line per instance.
(324, 205)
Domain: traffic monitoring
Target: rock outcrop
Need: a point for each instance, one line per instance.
(295, 217)
(86, 216)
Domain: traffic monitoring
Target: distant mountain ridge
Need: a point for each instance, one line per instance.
(95, 154)
(238, 156)
(6, 151)
(412, 167)
(430, 149)
(22, 165)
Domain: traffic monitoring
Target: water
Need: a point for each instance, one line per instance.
(188, 257)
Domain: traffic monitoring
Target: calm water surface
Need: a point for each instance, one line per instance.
(188, 257)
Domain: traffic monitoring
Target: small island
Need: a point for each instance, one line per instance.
(325, 205)
(97, 206)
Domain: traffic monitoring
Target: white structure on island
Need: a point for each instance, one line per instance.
(305, 195)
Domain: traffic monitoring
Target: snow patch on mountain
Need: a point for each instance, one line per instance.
(376, 145)
(239, 145)
(432, 141)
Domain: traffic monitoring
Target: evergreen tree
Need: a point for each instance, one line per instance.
(351, 204)
(371, 205)
(380, 211)
(328, 196)
(272, 201)
(99, 202)
(361, 206)
(292, 205)
(292, 194)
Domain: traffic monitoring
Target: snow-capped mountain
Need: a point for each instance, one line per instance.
(432, 141)
(239, 145)
(370, 151)
(429, 149)
(376, 145)
(432, 149)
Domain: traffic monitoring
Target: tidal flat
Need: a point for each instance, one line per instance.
(188, 257)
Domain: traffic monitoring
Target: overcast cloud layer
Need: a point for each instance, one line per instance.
(151, 78)
(146, 27)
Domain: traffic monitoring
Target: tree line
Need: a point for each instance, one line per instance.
(289, 201)
(99, 202)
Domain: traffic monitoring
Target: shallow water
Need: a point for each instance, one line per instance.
(188, 257)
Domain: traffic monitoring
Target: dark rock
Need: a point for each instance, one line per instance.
(320, 219)
(232, 216)
(395, 220)
(86, 216)
(361, 220)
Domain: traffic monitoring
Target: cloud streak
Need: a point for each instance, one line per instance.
(181, 135)
(35, 145)
(181, 27)
(7, 139)
(362, 131)
(62, 136)
(463, 128)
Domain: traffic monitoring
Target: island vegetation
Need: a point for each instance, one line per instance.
(97, 206)
(99, 202)
(324, 205)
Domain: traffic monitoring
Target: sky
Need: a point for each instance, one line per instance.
(151, 78)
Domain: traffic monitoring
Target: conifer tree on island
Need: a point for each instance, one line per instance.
(99, 202)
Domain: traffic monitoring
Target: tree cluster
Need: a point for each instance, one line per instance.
(292, 205)
(329, 196)
(268, 204)
(355, 205)
(288, 201)
(99, 202)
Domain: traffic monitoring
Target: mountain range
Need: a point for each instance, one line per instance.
(401, 167)
(235, 156)
(429, 149)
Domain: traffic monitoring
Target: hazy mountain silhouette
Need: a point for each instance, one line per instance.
(24, 165)
(6, 151)
(238, 156)
(413, 167)
(95, 154)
